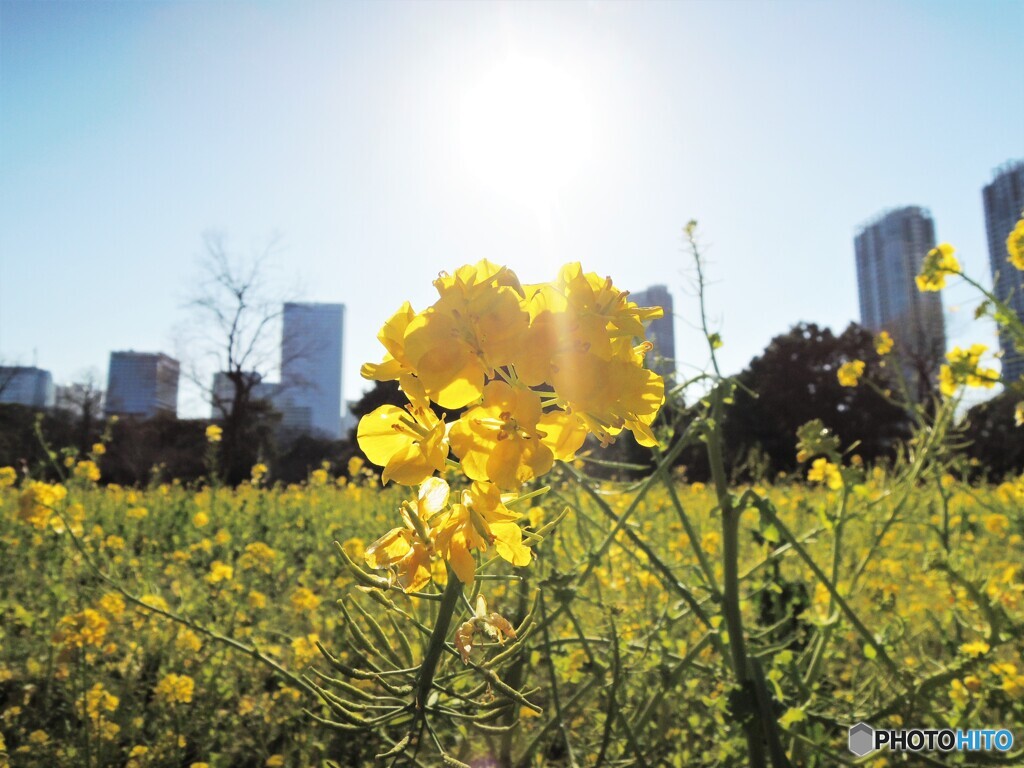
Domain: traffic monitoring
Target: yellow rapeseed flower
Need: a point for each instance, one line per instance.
(1015, 244)
(477, 521)
(175, 689)
(883, 343)
(938, 263)
(849, 373)
(214, 434)
(406, 550)
(964, 368)
(82, 629)
(219, 572)
(974, 649)
(824, 471)
(8, 477)
(303, 599)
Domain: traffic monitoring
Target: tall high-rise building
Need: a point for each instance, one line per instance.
(311, 349)
(660, 331)
(1004, 201)
(26, 385)
(142, 384)
(890, 249)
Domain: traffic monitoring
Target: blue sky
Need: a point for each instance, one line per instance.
(129, 129)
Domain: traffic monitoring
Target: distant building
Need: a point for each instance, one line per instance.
(311, 351)
(661, 331)
(26, 385)
(890, 250)
(223, 392)
(142, 384)
(1004, 201)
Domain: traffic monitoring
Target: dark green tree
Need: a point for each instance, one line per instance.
(992, 435)
(793, 381)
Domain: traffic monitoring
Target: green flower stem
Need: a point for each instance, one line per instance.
(759, 728)
(435, 648)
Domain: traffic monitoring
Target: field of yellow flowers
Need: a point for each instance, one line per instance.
(89, 678)
(498, 606)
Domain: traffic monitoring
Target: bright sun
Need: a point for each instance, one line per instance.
(526, 129)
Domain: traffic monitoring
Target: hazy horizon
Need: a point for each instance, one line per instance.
(382, 143)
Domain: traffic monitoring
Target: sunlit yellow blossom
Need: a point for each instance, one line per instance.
(37, 502)
(407, 550)
(964, 368)
(274, 761)
(938, 263)
(219, 572)
(392, 336)
(187, 640)
(98, 700)
(997, 523)
(355, 466)
(411, 443)
(214, 434)
(175, 689)
(1018, 414)
(258, 472)
(609, 395)
(257, 555)
(477, 325)
(303, 599)
(849, 373)
(478, 521)
(824, 471)
(500, 440)
(200, 519)
(136, 513)
(883, 343)
(99, 449)
(82, 629)
(8, 477)
(1015, 244)
(976, 648)
(112, 604)
(304, 649)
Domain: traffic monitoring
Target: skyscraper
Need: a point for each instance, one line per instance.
(1004, 201)
(890, 249)
(142, 384)
(311, 342)
(26, 385)
(661, 331)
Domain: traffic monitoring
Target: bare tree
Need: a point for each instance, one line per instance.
(83, 400)
(230, 346)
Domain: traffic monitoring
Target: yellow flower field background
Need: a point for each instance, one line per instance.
(494, 603)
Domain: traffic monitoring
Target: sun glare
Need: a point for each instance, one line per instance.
(526, 129)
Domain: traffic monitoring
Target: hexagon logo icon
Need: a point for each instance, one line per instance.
(862, 739)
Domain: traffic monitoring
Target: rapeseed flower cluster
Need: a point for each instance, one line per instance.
(849, 373)
(964, 368)
(939, 262)
(1015, 244)
(537, 368)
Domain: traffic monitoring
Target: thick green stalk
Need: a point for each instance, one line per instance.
(425, 680)
(753, 728)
